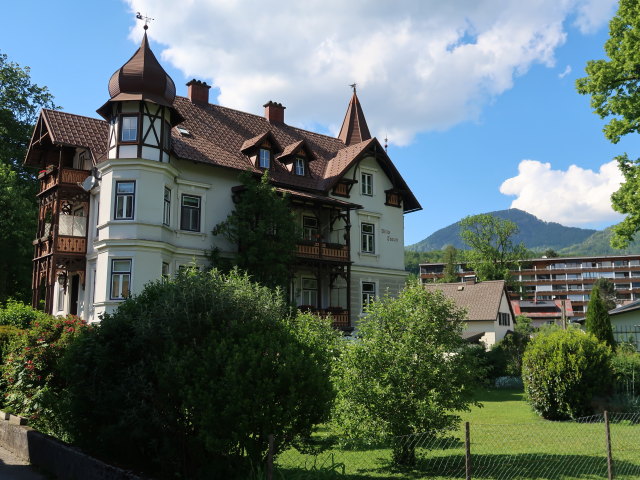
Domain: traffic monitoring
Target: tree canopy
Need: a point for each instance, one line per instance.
(493, 253)
(264, 230)
(408, 372)
(614, 87)
(20, 102)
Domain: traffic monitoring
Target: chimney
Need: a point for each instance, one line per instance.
(198, 92)
(274, 112)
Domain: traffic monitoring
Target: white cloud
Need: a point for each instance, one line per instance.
(573, 197)
(591, 15)
(420, 64)
(565, 72)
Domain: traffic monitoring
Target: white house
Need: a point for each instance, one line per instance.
(134, 196)
(489, 312)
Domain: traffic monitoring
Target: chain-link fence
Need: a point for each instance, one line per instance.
(542, 450)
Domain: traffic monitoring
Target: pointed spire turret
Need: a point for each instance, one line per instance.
(354, 127)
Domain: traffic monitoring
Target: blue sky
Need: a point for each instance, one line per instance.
(475, 96)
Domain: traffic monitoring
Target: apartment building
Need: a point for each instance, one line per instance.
(564, 278)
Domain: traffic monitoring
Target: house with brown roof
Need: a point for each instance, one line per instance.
(489, 312)
(544, 312)
(135, 195)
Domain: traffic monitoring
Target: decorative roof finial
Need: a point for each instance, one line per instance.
(353, 85)
(146, 19)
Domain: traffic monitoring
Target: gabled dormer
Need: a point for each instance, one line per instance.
(140, 111)
(296, 158)
(261, 150)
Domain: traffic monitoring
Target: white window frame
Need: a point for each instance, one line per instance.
(124, 201)
(127, 129)
(184, 209)
(311, 291)
(367, 238)
(366, 183)
(264, 158)
(309, 232)
(117, 279)
(298, 166)
(368, 294)
(166, 211)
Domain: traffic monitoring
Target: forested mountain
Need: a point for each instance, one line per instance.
(536, 234)
(599, 244)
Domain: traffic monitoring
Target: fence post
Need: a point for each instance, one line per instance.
(270, 459)
(467, 457)
(609, 457)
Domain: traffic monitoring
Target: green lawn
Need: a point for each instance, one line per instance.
(508, 441)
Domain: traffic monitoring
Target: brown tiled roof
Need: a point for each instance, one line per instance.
(78, 131)
(218, 135)
(481, 300)
(320, 198)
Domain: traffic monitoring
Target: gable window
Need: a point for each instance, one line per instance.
(503, 319)
(125, 197)
(264, 159)
(129, 128)
(190, 213)
(120, 278)
(309, 228)
(368, 237)
(368, 293)
(166, 214)
(309, 291)
(366, 183)
(298, 166)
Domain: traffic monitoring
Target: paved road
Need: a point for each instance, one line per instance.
(12, 468)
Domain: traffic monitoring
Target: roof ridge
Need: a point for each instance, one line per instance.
(73, 114)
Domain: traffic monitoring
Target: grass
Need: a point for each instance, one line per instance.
(508, 441)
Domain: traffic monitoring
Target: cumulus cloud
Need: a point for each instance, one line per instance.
(419, 64)
(573, 197)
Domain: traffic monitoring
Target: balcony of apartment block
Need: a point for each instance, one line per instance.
(53, 176)
(70, 238)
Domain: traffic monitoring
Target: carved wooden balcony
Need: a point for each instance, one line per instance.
(339, 316)
(67, 176)
(323, 251)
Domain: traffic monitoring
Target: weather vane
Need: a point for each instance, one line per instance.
(353, 85)
(146, 19)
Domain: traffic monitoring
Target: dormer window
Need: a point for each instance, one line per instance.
(129, 128)
(298, 166)
(264, 158)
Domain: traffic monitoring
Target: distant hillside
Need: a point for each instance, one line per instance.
(598, 244)
(534, 233)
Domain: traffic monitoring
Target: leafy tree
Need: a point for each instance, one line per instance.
(493, 254)
(191, 377)
(264, 230)
(408, 372)
(563, 370)
(614, 87)
(597, 321)
(450, 269)
(17, 229)
(20, 101)
(550, 253)
(607, 291)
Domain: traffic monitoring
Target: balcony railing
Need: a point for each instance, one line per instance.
(339, 317)
(68, 176)
(324, 251)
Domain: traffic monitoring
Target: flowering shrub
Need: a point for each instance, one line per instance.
(30, 372)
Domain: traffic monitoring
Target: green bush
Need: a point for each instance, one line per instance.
(31, 374)
(563, 370)
(409, 372)
(19, 315)
(626, 371)
(191, 376)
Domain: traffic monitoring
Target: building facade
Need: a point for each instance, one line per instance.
(135, 196)
(564, 278)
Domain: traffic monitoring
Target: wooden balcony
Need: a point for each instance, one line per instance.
(339, 317)
(63, 244)
(323, 251)
(67, 176)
